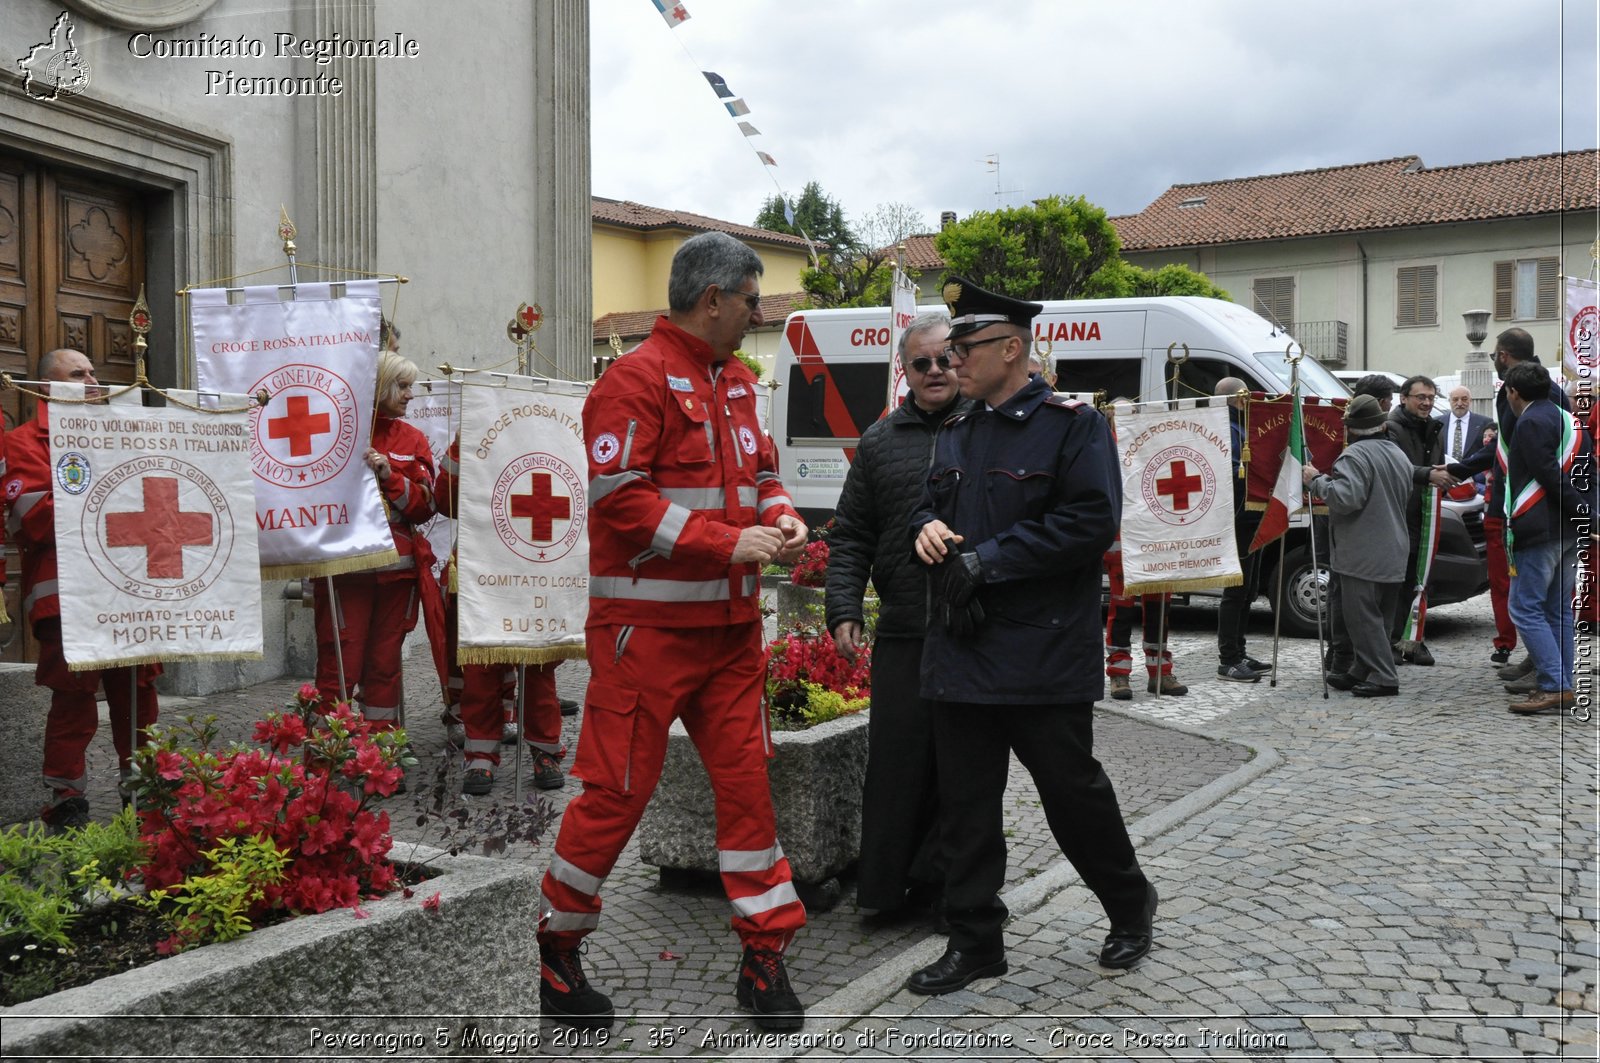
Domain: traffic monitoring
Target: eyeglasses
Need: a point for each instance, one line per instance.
(922, 365)
(1422, 395)
(752, 298)
(964, 350)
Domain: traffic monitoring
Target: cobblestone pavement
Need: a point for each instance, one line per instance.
(1406, 878)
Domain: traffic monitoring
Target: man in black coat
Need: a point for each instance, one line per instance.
(900, 799)
(1550, 474)
(1420, 437)
(1512, 347)
(1023, 499)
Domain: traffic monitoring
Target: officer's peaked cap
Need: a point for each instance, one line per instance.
(972, 308)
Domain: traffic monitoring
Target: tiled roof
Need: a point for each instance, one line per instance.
(635, 325)
(920, 253)
(1389, 194)
(629, 215)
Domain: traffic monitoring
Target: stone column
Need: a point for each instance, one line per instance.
(561, 280)
(341, 132)
(1477, 371)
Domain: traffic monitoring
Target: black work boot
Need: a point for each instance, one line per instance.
(764, 988)
(565, 995)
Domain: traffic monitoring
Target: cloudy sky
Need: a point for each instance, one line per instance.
(902, 100)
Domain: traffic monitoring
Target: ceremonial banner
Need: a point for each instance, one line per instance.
(522, 553)
(1268, 435)
(318, 510)
(436, 411)
(155, 526)
(902, 311)
(1177, 499)
(1583, 322)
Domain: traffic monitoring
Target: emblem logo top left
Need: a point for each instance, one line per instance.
(72, 473)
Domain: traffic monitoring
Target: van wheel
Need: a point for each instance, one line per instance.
(1303, 590)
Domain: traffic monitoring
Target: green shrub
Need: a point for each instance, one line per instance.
(47, 880)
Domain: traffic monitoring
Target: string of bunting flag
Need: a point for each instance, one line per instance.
(675, 15)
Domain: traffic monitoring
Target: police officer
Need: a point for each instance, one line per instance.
(1022, 500)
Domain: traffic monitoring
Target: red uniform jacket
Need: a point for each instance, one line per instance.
(407, 493)
(31, 514)
(678, 467)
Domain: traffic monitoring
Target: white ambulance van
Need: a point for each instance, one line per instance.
(832, 370)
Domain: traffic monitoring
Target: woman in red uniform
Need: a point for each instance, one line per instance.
(378, 607)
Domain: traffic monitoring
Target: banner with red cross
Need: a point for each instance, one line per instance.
(155, 528)
(318, 509)
(522, 541)
(435, 409)
(1177, 496)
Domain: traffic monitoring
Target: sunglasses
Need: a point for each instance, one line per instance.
(923, 364)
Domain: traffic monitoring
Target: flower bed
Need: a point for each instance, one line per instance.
(281, 990)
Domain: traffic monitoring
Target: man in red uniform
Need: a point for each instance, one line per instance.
(30, 498)
(686, 507)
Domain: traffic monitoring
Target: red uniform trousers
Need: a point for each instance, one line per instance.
(74, 717)
(1494, 534)
(641, 679)
(483, 697)
(377, 613)
(1119, 626)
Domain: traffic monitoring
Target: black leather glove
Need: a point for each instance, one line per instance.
(956, 582)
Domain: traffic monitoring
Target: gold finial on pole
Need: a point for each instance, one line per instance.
(286, 230)
(616, 342)
(520, 330)
(139, 321)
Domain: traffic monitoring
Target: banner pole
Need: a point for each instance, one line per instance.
(133, 733)
(337, 619)
(1161, 642)
(522, 687)
(1277, 614)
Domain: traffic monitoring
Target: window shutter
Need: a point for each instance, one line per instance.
(1549, 288)
(1274, 298)
(1416, 296)
(1405, 303)
(1505, 290)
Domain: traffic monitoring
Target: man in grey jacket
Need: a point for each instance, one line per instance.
(1366, 496)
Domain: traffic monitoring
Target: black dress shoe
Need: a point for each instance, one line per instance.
(953, 971)
(1127, 945)
(1365, 689)
(1341, 680)
(1500, 656)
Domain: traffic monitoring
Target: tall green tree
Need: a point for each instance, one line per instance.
(815, 212)
(1054, 248)
(853, 260)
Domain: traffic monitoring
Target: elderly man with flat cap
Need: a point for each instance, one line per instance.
(1022, 499)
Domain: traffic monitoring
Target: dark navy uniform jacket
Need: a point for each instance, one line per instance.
(1034, 488)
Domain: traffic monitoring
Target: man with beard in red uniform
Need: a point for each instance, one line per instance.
(29, 485)
(686, 507)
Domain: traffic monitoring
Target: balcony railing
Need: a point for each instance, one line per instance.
(1326, 341)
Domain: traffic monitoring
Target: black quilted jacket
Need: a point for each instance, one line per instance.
(872, 535)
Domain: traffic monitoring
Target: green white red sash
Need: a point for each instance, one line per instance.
(1427, 550)
(1533, 492)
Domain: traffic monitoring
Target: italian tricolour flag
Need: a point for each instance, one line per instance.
(1288, 492)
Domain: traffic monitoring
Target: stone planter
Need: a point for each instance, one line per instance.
(816, 781)
(281, 991)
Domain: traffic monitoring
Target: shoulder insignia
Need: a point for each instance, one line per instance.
(1065, 403)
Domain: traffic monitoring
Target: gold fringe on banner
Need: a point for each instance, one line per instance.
(517, 654)
(1179, 586)
(5, 618)
(162, 658)
(337, 567)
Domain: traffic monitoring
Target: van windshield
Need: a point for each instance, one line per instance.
(1314, 378)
